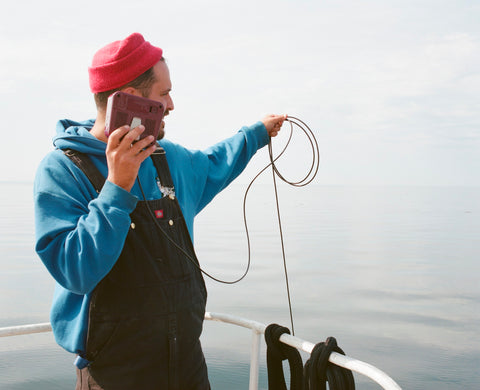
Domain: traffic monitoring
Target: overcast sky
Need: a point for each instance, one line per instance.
(390, 88)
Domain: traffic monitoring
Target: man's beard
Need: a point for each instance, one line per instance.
(161, 133)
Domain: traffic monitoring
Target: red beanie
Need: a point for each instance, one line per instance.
(120, 62)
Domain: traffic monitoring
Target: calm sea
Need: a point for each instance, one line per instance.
(391, 272)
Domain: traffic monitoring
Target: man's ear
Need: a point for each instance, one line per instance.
(132, 91)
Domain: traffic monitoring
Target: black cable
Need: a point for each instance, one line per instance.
(306, 180)
(187, 255)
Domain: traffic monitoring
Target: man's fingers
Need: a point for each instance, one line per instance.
(125, 138)
(144, 143)
(133, 135)
(117, 135)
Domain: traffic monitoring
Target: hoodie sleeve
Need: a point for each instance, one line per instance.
(227, 159)
(203, 174)
(79, 235)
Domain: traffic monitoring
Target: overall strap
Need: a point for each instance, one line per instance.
(82, 161)
(159, 159)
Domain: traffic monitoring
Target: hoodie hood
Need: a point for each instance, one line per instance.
(76, 135)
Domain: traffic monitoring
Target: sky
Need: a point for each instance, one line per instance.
(391, 89)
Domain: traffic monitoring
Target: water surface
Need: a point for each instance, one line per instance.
(390, 272)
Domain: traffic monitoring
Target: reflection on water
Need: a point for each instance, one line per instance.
(35, 362)
(391, 273)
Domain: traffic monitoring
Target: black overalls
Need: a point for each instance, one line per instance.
(146, 315)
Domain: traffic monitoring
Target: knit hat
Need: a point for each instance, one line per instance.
(120, 62)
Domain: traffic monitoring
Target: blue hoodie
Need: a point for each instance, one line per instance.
(80, 234)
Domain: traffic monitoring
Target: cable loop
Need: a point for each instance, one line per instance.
(312, 172)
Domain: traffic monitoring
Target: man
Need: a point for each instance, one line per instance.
(130, 298)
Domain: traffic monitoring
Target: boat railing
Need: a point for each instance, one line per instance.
(258, 329)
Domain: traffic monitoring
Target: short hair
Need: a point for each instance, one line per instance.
(143, 83)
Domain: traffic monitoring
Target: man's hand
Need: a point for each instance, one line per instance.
(124, 156)
(273, 123)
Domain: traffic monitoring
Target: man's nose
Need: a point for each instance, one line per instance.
(170, 105)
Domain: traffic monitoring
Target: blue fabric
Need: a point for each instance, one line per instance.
(80, 234)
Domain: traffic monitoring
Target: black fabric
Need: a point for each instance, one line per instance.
(276, 353)
(146, 315)
(159, 158)
(318, 370)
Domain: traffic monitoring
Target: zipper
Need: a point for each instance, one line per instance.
(173, 353)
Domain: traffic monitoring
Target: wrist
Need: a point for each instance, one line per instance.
(118, 197)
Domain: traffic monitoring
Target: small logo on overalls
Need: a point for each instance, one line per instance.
(159, 213)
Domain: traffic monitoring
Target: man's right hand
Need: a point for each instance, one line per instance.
(124, 156)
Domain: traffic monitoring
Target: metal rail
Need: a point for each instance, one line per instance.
(25, 329)
(340, 360)
(257, 329)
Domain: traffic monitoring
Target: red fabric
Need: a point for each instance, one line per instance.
(120, 62)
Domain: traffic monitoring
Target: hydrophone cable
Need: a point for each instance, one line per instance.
(307, 179)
